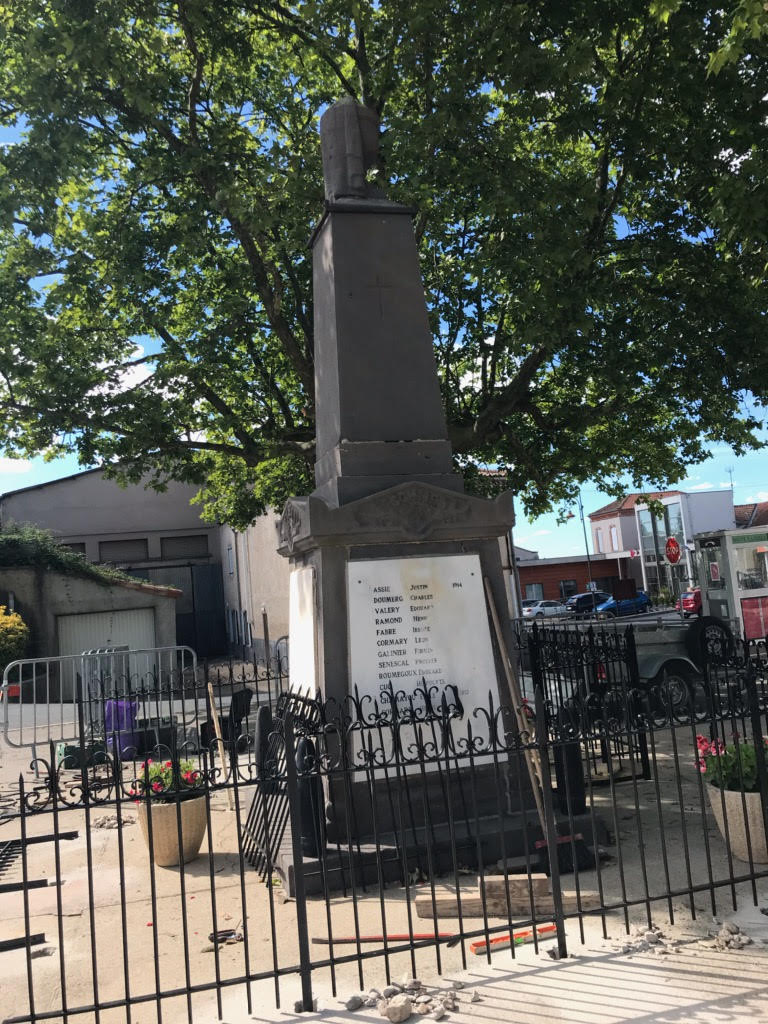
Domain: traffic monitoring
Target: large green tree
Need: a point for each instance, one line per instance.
(592, 218)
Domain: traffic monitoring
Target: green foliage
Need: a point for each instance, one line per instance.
(748, 24)
(166, 779)
(729, 766)
(14, 637)
(29, 545)
(592, 210)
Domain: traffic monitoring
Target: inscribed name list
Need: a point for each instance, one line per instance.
(415, 620)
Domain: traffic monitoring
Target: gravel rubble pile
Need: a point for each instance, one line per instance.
(110, 821)
(730, 936)
(411, 998)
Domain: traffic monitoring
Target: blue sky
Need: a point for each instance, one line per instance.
(545, 535)
(750, 483)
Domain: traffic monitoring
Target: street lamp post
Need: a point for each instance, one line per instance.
(586, 542)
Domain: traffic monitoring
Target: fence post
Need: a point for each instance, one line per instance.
(757, 737)
(305, 962)
(548, 825)
(634, 722)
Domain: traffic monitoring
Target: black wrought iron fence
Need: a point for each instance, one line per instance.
(583, 675)
(344, 844)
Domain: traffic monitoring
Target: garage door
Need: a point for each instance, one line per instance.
(133, 628)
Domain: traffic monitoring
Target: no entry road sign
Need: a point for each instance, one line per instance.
(672, 550)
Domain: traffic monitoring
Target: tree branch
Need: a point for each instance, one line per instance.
(193, 93)
(206, 177)
(297, 27)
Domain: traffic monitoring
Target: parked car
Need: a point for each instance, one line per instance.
(543, 609)
(585, 604)
(624, 606)
(691, 602)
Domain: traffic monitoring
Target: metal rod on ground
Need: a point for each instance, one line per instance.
(22, 942)
(219, 738)
(543, 931)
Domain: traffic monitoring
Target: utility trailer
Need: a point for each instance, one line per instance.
(581, 659)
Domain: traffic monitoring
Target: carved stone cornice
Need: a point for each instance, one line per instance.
(407, 513)
(415, 510)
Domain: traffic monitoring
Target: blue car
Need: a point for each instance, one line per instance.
(625, 606)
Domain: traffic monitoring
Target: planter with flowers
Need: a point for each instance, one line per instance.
(171, 795)
(734, 795)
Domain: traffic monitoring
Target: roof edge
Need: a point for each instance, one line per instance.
(51, 483)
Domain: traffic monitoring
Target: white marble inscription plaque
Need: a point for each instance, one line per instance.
(302, 632)
(414, 619)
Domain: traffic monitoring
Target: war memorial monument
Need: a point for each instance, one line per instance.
(388, 554)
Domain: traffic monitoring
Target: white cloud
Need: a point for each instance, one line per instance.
(702, 487)
(727, 483)
(760, 496)
(531, 536)
(128, 378)
(15, 465)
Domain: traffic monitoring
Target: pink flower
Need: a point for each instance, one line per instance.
(168, 764)
(702, 765)
(157, 787)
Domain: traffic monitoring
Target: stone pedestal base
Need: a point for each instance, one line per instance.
(410, 520)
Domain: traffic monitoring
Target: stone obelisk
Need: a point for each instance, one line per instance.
(388, 553)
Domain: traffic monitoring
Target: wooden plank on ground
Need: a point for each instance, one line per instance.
(518, 886)
(446, 905)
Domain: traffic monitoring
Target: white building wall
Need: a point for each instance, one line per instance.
(255, 577)
(626, 530)
(88, 508)
(708, 510)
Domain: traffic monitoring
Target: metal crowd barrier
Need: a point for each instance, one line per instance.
(62, 699)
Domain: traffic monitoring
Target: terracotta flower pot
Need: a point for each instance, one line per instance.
(736, 837)
(165, 829)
